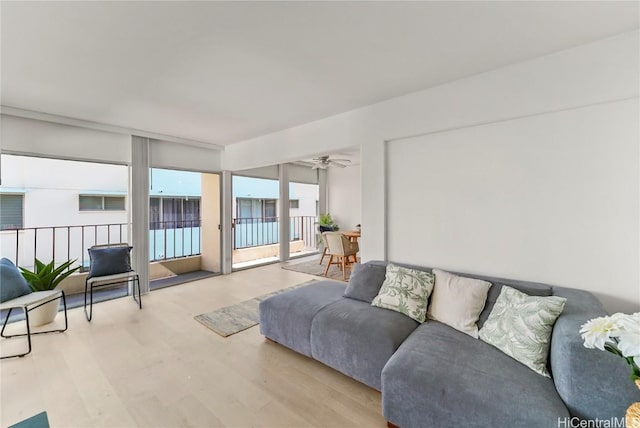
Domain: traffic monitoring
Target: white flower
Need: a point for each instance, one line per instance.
(629, 345)
(597, 332)
(629, 322)
(629, 336)
(617, 320)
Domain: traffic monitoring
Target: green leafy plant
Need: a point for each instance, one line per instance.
(47, 276)
(325, 220)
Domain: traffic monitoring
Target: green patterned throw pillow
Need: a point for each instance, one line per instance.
(406, 291)
(520, 326)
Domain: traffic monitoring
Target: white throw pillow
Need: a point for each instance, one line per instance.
(521, 325)
(457, 301)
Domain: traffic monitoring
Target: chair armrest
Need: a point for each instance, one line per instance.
(593, 384)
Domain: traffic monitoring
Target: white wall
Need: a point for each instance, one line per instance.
(345, 196)
(600, 72)
(550, 198)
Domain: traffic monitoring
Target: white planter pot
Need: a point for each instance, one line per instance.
(44, 314)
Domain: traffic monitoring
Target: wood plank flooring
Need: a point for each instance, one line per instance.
(158, 367)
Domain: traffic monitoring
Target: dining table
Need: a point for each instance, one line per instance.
(353, 235)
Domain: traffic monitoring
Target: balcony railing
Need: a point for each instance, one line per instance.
(174, 239)
(167, 240)
(258, 231)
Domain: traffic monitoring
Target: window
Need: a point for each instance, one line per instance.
(101, 203)
(294, 203)
(191, 210)
(11, 211)
(270, 210)
(155, 215)
(174, 213)
(248, 209)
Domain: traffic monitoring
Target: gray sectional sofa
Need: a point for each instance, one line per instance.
(433, 375)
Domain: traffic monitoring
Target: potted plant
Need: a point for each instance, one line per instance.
(326, 223)
(46, 277)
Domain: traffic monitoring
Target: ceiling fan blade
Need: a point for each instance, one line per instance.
(338, 164)
(339, 160)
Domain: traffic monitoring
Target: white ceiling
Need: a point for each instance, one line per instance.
(220, 72)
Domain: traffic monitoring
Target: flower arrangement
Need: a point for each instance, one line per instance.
(618, 334)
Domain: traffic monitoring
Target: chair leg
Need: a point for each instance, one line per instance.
(344, 262)
(328, 264)
(324, 253)
(136, 280)
(26, 318)
(64, 305)
(5, 323)
(88, 289)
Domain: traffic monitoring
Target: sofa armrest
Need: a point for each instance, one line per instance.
(593, 384)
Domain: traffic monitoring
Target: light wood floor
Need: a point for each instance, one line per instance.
(158, 367)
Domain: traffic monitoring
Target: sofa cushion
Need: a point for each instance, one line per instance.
(520, 326)
(448, 378)
(406, 291)
(365, 282)
(529, 288)
(458, 301)
(286, 317)
(358, 339)
(12, 283)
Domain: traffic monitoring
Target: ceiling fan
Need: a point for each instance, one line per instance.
(324, 162)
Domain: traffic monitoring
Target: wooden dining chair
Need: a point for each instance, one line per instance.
(342, 249)
(325, 247)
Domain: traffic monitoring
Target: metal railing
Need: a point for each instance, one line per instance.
(259, 231)
(174, 239)
(61, 243)
(58, 243)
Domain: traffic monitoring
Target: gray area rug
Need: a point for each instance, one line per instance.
(313, 267)
(236, 318)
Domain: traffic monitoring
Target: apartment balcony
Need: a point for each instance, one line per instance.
(256, 240)
(175, 252)
(175, 248)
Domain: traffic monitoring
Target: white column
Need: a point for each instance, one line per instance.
(226, 219)
(139, 202)
(283, 201)
(323, 188)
